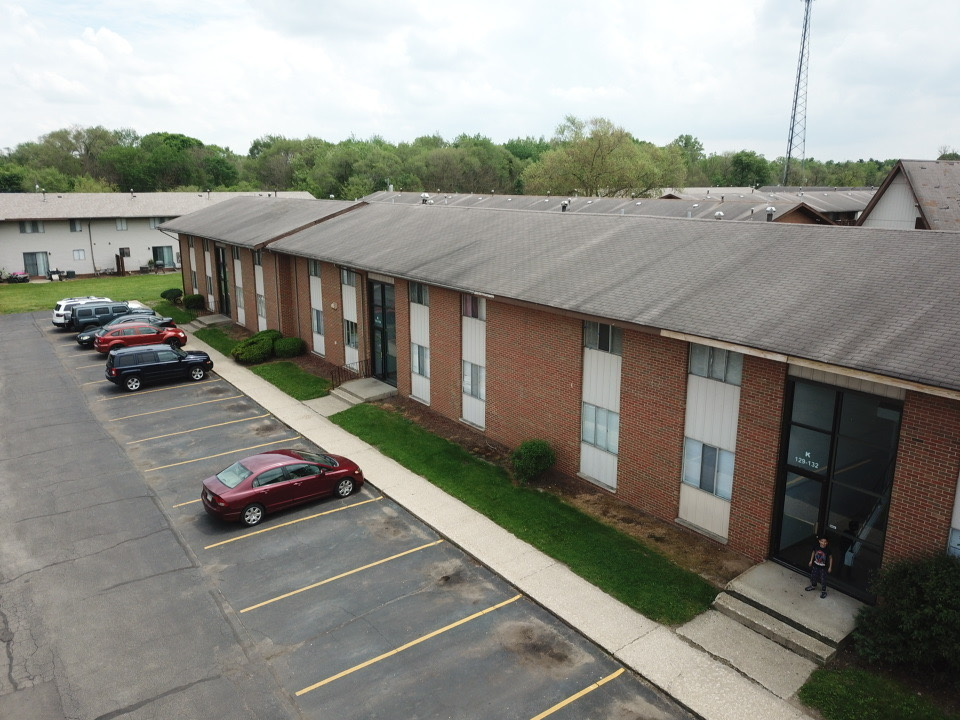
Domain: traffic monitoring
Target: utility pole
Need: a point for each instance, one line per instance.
(796, 144)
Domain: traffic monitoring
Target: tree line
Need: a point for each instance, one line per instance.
(584, 157)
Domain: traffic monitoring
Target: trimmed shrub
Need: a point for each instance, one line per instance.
(194, 302)
(532, 459)
(288, 347)
(253, 350)
(172, 295)
(271, 335)
(917, 621)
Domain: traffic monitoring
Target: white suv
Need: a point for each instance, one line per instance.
(61, 313)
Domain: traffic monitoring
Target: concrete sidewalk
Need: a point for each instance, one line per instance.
(713, 666)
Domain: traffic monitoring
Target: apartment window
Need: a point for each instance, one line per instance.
(209, 284)
(600, 336)
(420, 360)
(124, 252)
(121, 224)
(710, 362)
(348, 277)
(261, 305)
(206, 244)
(76, 226)
(314, 268)
(474, 380)
(28, 227)
(350, 336)
(190, 242)
(419, 294)
(235, 252)
(600, 427)
(708, 468)
(954, 547)
(79, 255)
(474, 307)
(258, 258)
(156, 222)
(238, 294)
(193, 277)
(318, 321)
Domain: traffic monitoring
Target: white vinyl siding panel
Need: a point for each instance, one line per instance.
(895, 209)
(316, 303)
(474, 350)
(420, 334)
(713, 410)
(349, 296)
(193, 266)
(704, 510)
(238, 276)
(211, 300)
(475, 341)
(601, 379)
(598, 466)
(258, 285)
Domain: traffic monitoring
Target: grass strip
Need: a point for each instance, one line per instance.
(616, 563)
(293, 380)
(37, 296)
(217, 339)
(855, 694)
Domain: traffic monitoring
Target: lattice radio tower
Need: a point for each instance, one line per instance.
(796, 144)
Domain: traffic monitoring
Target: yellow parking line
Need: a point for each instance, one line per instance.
(585, 691)
(410, 644)
(229, 452)
(204, 427)
(178, 407)
(292, 522)
(341, 575)
(84, 367)
(140, 393)
(188, 502)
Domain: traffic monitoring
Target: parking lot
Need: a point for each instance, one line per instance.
(340, 608)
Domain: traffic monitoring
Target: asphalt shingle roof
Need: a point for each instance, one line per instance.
(860, 298)
(936, 184)
(83, 206)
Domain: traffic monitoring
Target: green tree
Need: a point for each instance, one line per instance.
(598, 158)
(691, 148)
(748, 169)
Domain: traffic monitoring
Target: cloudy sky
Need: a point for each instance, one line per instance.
(883, 78)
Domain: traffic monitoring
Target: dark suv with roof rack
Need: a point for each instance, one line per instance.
(133, 367)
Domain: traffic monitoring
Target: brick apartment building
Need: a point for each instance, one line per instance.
(759, 383)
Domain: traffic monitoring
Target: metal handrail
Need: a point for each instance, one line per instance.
(350, 371)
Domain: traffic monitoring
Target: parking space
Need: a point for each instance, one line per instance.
(358, 608)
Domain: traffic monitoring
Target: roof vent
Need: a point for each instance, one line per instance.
(770, 211)
(424, 197)
(718, 215)
(563, 205)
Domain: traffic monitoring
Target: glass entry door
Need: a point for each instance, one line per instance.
(383, 322)
(836, 477)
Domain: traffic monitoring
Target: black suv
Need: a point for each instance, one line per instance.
(93, 315)
(131, 367)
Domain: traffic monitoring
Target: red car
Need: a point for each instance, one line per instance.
(270, 481)
(138, 334)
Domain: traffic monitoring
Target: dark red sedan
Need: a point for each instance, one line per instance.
(270, 481)
(139, 334)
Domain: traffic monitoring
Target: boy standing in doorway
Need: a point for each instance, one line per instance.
(821, 564)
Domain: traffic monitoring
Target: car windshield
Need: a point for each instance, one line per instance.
(320, 458)
(233, 475)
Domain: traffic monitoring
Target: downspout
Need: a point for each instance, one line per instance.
(93, 258)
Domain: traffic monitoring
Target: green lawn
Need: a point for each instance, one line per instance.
(618, 564)
(217, 339)
(852, 694)
(293, 380)
(38, 296)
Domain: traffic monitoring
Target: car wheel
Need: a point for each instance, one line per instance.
(173, 342)
(197, 373)
(345, 488)
(132, 383)
(252, 514)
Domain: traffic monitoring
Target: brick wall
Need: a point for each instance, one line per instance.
(445, 352)
(249, 282)
(332, 313)
(287, 281)
(653, 400)
(758, 453)
(402, 319)
(925, 484)
(534, 378)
